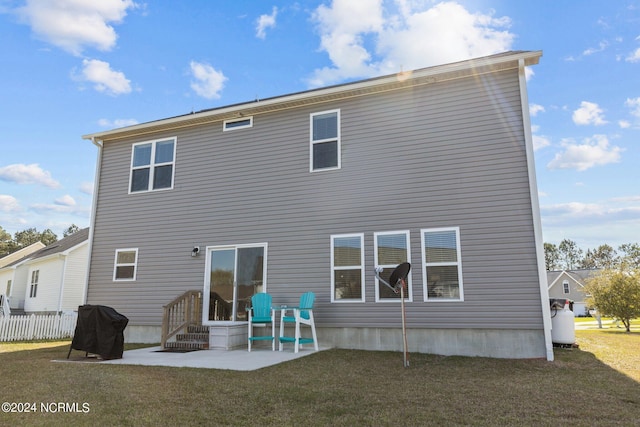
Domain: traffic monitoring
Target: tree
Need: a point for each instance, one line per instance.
(551, 256)
(31, 235)
(630, 257)
(570, 254)
(616, 293)
(6, 243)
(602, 257)
(71, 230)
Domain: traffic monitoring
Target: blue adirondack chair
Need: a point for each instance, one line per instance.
(261, 314)
(302, 315)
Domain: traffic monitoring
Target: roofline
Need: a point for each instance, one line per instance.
(471, 67)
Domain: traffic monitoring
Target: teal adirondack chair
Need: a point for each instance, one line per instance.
(261, 314)
(302, 315)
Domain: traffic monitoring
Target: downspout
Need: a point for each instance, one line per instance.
(64, 269)
(94, 206)
(535, 206)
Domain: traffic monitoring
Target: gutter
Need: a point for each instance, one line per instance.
(94, 206)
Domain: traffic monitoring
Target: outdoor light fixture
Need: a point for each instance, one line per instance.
(195, 251)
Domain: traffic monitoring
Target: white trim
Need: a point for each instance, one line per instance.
(353, 267)
(207, 279)
(535, 208)
(134, 264)
(239, 119)
(152, 165)
(378, 264)
(458, 263)
(337, 139)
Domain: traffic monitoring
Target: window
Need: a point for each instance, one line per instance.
(347, 268)
(33, 290)
(125, 264)
(8, 288)
(325, 140)
(441, 264)
(245, 122)
(391, 249)
(565, 287)
(152, 165)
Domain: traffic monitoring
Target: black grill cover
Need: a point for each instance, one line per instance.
(100, 331)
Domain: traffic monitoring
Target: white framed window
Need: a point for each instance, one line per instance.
(8, 288)
(391, 248)
(565, 287)
(324, 147)
(441, 264)
(125, 265)
(152, 165)
(234, 124)
(35, 278)
(347, 268)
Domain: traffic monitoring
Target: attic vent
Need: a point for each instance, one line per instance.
(245, 122)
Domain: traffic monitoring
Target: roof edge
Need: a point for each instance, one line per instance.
(420, 76)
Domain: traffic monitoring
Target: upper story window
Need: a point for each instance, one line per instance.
(441, 264)
(325, 141)
(390, 250)
(242, 123)
(152, 165)
(565, 287)
(126, 264)
(347, 267)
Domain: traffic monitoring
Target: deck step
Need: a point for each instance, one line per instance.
(188, 345)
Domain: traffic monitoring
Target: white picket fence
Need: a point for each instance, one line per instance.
(37, 327)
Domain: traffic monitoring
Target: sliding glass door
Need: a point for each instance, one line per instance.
(234, 275)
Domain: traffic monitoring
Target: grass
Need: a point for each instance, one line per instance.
(597, 384)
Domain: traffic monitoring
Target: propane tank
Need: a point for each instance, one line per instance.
(563, 329)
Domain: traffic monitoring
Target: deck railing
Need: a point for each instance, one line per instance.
(183, 311)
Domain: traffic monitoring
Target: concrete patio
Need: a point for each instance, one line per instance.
(235, 360)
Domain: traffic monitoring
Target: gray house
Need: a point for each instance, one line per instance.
(570, 284)
(310, 191)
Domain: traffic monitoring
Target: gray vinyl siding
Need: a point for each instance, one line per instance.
(447, 154)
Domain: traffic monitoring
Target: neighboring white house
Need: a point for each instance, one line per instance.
(20, 254)
(50, 280)
(570, 284)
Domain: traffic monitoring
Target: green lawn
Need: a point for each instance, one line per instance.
(597, 384)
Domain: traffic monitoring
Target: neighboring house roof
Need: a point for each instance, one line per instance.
(20, 254)
(62, 245)
(578, 276)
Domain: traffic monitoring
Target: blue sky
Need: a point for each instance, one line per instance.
(73, 67)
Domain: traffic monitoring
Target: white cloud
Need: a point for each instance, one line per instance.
(634, 56)
(104, 78)
(264, 22)
(73, 25)
(589, 113)
(534, 109)
(117, 123)
(634, 105)
(367, 38)
(540, 142)
(65, 200)
(87, 188)
(624, 124)
(208, 81)
(28, 174)
(9, 203)
(601, 46)
(592, 152)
